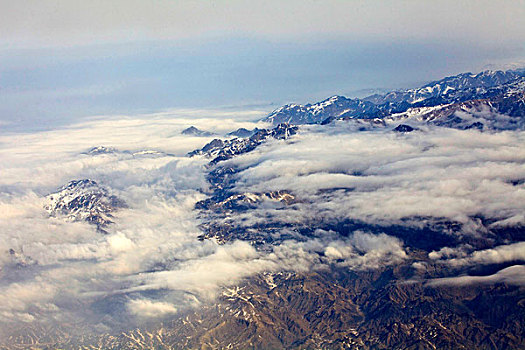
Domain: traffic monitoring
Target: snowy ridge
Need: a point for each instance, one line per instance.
(454, 89)
(83, 200)
(335, 106)
(225, 149)
(476, 83)
(503, 112)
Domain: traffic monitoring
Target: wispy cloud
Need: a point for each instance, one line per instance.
(497, 255)
(512, 275)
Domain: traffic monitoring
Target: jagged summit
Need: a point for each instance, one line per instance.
(193, 131)
(221, 150)
(84, 200)
(242, 132)
(101, 150)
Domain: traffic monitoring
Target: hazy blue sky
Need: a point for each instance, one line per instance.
(61, 60)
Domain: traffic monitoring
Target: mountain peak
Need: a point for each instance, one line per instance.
(83, 200)
(193, 131)
(101, 150)
(451, 89)
(221, 150)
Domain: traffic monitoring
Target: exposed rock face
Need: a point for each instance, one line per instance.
(336, 309)
(84, 200)
(403, 128)
(221, 150)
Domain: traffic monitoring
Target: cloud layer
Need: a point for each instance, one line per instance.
(151, 263)
(41, 255)
(385, 177)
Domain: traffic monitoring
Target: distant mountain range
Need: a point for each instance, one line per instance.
(143, 153)
(496, 92)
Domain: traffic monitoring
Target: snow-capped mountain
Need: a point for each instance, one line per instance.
(84, 200)
(475, 83)
(335, 106)
(225, 149)
(455, 89)
(242, 132)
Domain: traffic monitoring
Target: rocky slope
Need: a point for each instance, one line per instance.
(221, 150)
(84, 200)
(336, 309)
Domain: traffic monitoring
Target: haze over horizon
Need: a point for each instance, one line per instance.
(63, 61)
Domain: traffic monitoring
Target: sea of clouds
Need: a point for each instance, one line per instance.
(151, 263)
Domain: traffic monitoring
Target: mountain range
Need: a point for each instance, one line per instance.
(500, 92)
(349, 278)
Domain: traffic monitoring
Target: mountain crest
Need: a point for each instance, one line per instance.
(450, 90)
(83, 200)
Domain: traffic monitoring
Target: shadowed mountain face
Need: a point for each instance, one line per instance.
(369, 229)
(225, 149)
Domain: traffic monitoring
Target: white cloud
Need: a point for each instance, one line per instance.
(149, 309)
(360, 251)
(158, 230)
(511, 275)
(151, 256)
(386, 177)
(496, 255)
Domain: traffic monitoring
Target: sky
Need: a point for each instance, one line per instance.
(61, 61)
